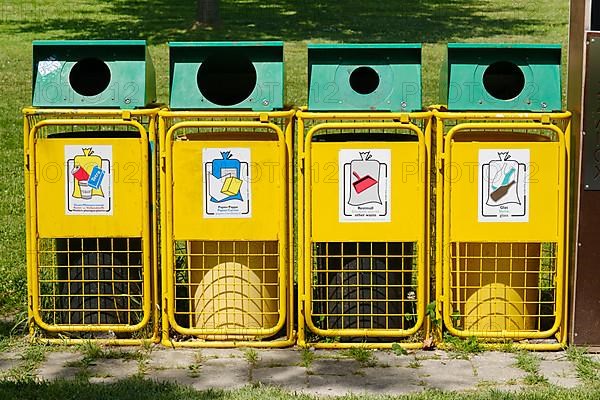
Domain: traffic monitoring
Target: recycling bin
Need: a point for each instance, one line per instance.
(89, 175)
(501, 213)
(226, 154)
(363, 197)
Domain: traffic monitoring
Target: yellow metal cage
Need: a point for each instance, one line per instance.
(362, 283)
(227, 280)
(502, 274)
(91, 276)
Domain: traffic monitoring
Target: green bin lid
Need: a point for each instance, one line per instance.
(226, 75)
(502, 77)
(92, 74)
(364, 77)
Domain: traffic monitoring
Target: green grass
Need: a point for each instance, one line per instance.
(31, 358)
(307, 357)
(587, 369)
(462, 348)
(399, 350)
(251, 355)
(530, 363)
(364, 357)
(137, 388)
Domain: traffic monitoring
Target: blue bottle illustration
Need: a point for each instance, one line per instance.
(225, 167)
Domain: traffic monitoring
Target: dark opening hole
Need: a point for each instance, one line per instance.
(364, 80)
(227, 79)
(89, 77)
(503, 80)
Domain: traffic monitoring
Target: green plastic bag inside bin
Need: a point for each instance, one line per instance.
(502, 77)
(93, 74)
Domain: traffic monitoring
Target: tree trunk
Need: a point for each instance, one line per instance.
(208, 12)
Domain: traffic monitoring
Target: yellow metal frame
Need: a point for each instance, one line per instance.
(466, 121)
(397, 121)
(226, 119)
(92, 117)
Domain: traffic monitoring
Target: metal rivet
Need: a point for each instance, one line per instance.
(544, 105)
(265, 102)
(127, 101)
(403, 104)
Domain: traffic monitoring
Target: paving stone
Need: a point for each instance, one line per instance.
(335, 385)
(552, 355)
(11, 355)
(496, 367)
(222, 353)
(447, 374)
(329, 354)
(331, 373)
(180, 358)
(289, 377)
(388, 358)
(58, 366)
(180, 376)
(222, 373)
(8, 364)
(392, 380)
(278, 358)
(560, 373)
(108, 368)
(432, 355)
(329, 366)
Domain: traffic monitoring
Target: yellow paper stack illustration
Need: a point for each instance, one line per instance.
(231, 186)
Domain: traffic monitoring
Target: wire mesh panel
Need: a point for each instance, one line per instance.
(364, 285)
(91, 281)
(503, 287)
(227, 285)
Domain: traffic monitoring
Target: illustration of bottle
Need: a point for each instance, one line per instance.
(503, 179)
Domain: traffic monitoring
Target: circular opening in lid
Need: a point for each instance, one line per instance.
(226, 79)
(503, 80)
(364, 80)
(89, 77)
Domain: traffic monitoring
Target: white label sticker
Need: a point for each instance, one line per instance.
(48, 66)
(503, 185)
(226, 183)
(364, 191)
(88, 182)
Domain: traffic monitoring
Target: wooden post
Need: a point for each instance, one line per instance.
(583, 100)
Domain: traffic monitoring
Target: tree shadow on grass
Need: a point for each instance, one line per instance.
(424, 21)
